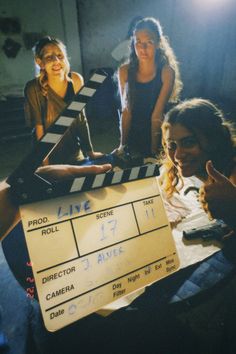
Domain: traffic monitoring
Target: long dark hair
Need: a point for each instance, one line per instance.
(164, 55)
(203, 119)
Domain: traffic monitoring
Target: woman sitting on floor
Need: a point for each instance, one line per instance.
(47, 95)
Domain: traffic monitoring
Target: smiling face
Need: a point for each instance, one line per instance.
(145, 44)
(53, 60)
(186, 150)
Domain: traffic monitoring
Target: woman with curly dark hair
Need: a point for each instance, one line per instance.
(198, 142)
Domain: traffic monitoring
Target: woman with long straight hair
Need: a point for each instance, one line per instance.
(147, 82)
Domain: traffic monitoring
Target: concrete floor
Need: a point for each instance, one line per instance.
(12, 151)
(11, 154)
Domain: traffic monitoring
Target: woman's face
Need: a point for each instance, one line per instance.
(53, 60)
(145, 44)
(185, 151)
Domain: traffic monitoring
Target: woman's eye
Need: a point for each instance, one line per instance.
(48, 58)
(171, 146)
(149, 43)
(189, 142)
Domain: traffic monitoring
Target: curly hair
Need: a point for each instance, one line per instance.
(203, 119)
(164, 55)
(38, 51)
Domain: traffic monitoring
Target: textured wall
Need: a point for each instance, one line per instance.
(55, 17)
(104, 23)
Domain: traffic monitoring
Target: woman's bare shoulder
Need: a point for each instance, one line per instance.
(167, 70)
(167, 73)
(123, 72)
(78, 80)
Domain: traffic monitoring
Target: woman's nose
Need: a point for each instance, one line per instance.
(143, 45)
(179, 152)
(55, 57)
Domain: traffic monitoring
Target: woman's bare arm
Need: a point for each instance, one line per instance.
(168, 76)
(125, 114)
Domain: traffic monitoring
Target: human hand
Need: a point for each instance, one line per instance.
(60, 172)
(120, 151)
(9, 212)
(93, 155)
(150, 160)
(218, 196)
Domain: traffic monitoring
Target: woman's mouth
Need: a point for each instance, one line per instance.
(56, 68)
(187, 168)
(184, 164)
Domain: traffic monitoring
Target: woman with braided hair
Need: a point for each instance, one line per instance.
(51, 91)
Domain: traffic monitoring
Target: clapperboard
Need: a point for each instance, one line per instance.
(92, 240)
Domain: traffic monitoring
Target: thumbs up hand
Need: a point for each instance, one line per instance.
(218, 196)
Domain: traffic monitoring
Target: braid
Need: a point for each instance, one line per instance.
(43, 82)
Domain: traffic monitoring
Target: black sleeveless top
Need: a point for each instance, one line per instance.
(70, 93)
(146, 95)
(36, 112)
